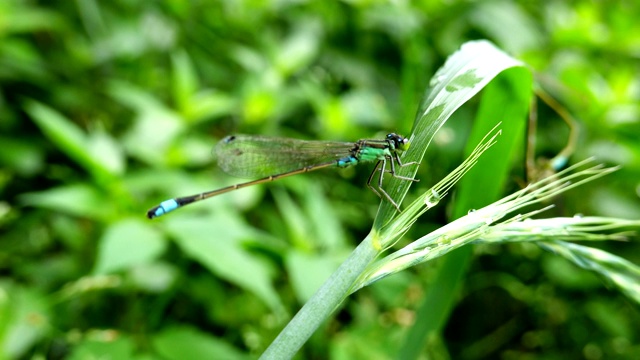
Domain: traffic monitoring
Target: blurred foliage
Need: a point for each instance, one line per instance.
(107, 108)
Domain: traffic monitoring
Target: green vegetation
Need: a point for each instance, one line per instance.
(108, 108)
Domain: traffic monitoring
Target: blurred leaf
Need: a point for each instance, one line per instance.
(21, 61)
(615, 202)
(216, 242)
(397, 20)
(207, 104)
(154, 129)
(295, 221)
(21, 157)
(333, 115)
(71, 140)
(126, 244)
(307, 272)
(260, 99)
(19, 17)
(493, 17)
(193, 103)
(183, 342)
(117, 348)
(250, 59)
(366, 108)
(80, 200)
(359, 345)
(185, 80)
(92, 18)
(300, 48)
(135, 36)
(325, 222)
(155, 277)
(106, 150)
(25, 318)
(610, 319)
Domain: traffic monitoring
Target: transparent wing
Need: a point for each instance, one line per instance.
(251, 156)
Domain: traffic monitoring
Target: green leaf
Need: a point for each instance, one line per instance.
(20, 156)
(307, 272)
(207, 104)
(106, 151)
(155, 277)
(193, 103)
(155, 127)
(182, 342)
(506, 99)
(118, 347)
(24, 318)
(126, 244)
(79, 200)
(22, 17)
(465, 73)
(493, 17)
(185, 80)
(216, 243)
(72, 140)
(299, 49)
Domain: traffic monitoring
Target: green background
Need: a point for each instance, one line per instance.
(108, 108)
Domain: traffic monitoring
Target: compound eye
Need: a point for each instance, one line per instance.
(394, 137)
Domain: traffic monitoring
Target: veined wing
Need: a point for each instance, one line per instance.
(251, 156)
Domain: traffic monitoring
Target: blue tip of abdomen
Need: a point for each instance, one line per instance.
(163, 208)
(347, 161)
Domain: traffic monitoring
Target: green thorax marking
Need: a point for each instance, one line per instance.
(370, 153)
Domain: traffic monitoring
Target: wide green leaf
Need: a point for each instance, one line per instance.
(216, 243)
(126, 244)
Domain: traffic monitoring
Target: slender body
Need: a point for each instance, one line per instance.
(274, 158)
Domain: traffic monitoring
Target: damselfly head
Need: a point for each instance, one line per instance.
(398, 141)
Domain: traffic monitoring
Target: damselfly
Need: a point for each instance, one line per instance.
(273, 158)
